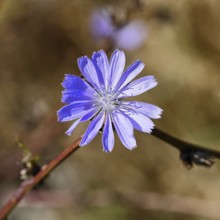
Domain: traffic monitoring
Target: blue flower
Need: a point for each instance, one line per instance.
(127, 37)
(99, 98)
(102, 25)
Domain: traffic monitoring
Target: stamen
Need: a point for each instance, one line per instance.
(107, 101)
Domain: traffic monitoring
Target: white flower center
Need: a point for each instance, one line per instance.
(108, 101)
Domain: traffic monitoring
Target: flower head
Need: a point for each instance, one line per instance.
(99, 98)
(127, 36)
(101, 24)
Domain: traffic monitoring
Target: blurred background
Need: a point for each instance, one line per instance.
(180, 44)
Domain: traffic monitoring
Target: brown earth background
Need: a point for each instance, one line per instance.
(40, 42)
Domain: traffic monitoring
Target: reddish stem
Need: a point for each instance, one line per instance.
(31, 183)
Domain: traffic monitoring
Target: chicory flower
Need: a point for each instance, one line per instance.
(99, 97)
(128, 36)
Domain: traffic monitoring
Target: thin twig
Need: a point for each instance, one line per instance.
(190, 153)
(31, 183)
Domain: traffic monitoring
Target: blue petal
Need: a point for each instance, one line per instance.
(124, 129)
(117, 64)
(140, 122)
(76, 95)
(101, 24)
(150, 110)
(138, 86)
(72, 82)
(72, 127)
(100, 61)
(93, 129)
(76, 89)
(73, 110)
(89, 72)
(88, 115)
(130, 73)
(108, 135)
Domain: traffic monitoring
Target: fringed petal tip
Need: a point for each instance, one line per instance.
(68, 133)
(160, 113)
(152, 81)
(80, 145)
(132, 148)
(156, 113)
(99, 51)
(58, 116)
(107, 151)
(150, 131)
(82, 57)
(81, 61)
(60, 119)
(65, 79)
